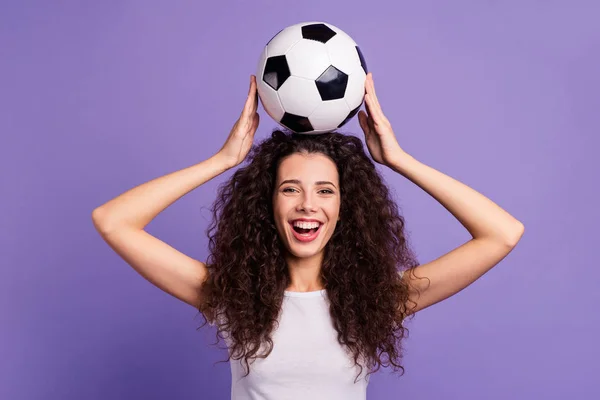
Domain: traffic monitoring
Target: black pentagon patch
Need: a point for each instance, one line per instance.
(319, 32)
(296, 123)
(349, 117)
(363, 63)
(332, 84)
(276, 71)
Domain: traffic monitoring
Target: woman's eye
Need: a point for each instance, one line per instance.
(323, 190)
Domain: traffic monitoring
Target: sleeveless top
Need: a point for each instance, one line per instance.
(306, 362)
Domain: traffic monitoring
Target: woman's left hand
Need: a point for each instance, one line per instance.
(380, 138)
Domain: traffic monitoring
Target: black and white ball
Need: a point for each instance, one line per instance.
(311, 78)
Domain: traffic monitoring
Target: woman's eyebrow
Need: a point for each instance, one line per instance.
(297, 182)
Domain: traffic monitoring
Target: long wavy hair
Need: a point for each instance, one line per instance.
(248, 275)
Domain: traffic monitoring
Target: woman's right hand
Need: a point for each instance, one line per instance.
(241, 137)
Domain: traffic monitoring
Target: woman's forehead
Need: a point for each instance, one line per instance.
(307, 168)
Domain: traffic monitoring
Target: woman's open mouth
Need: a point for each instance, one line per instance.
(306, 235)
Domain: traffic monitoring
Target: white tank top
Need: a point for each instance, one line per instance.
(306, 362)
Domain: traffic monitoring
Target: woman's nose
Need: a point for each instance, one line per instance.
(307, 203)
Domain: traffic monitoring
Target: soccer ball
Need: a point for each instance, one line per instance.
(311, 78)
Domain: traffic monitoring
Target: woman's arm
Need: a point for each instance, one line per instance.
(138, 206)
(495, 233)
(121, 223)
(483, 218)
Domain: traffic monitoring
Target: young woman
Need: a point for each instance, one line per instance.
(305, 277)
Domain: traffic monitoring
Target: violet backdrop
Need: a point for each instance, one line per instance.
(98, 97)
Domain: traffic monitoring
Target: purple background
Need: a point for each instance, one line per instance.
(97, 97)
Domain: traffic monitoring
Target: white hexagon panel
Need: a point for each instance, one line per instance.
(308, 67)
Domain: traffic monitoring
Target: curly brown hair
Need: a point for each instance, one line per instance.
(248, 275)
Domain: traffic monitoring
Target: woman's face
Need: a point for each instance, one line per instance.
(307, 187)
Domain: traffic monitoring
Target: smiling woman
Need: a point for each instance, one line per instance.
(313, 312)
(320, 239)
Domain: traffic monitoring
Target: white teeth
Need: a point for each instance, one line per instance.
(306, 225)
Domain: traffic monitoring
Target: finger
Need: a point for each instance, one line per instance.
(255, 122)
(250, 100)
(254, 94)
(362, 121)
(252, 105)
(368, 116)
(368, 104)
(249, 124)
(371, 122)
(379, 110)
(252, 83)
(255, 99)
(372, 85)
(375, 111)
(366, 125)
(371, 108)
(371, 91)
